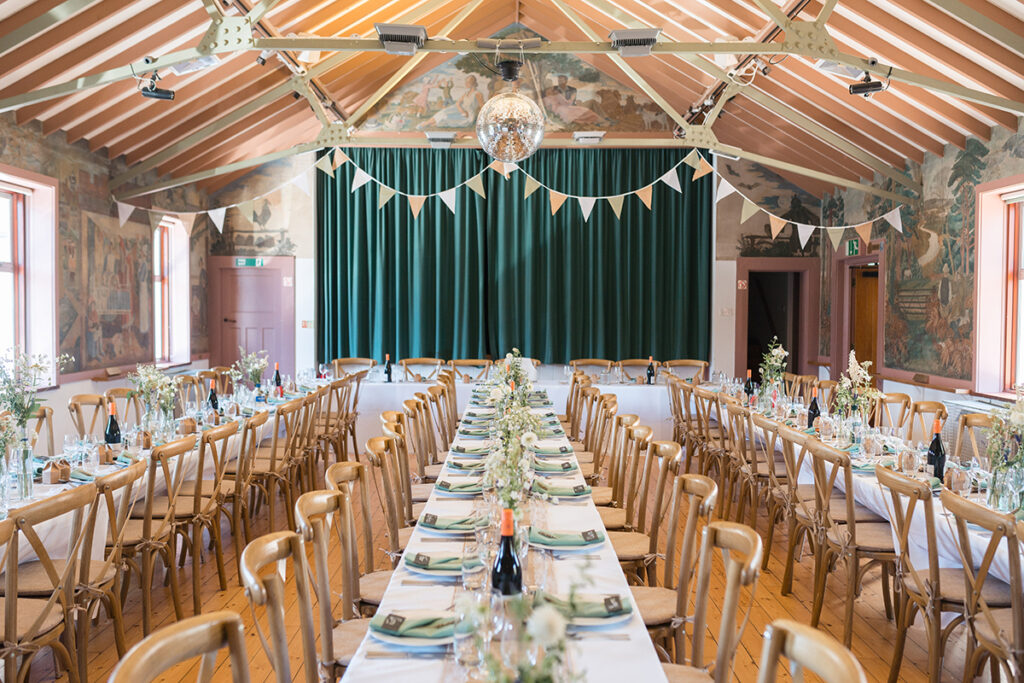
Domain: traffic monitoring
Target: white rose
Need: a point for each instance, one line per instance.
(497, 394)
(528, 439)
(508, 357)
(546, 626)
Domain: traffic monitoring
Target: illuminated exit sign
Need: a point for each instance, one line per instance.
(248, 262)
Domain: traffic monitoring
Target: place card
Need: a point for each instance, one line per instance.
(613, 603)
(590, 535)
(579, 488)
(429, 519)
(393, 622)
(422, 560)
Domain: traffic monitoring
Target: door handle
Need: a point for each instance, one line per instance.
(229, 320)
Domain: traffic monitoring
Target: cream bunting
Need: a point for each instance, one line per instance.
(476, 184)
(616, 204)
(777, 224)
(556, 199)
(835, 235)
(805, 232)
(704, 169)
(361, 178)
(586, 206)
(188, 221)
(644, 193)
(500, 167)
(864, 232)
(448, 197)
(725, 189)
(671, 178)
(124, 212)
(154, 219)
(246, 209)
(217, 216)
(693, 159)
(324, 164)
(530, 186)
(339, 158)
(416, 203)
(748, 210)
(895, 219)
(386, 193)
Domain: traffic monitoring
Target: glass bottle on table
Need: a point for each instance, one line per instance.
(507, 573)
(650, 369)
(278, 386)
(936, 452)
(387, 368)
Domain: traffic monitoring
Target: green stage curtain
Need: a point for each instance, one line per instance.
(502, 271)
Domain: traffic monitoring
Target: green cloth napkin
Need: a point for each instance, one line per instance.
(541, 486)
(549, 433)
(551, 450)
(597, 608)
(460, 487)
(473, 450)
(580, 538)
(562, 466)
(393, 623)
(470, 466)
(466, 430)
(123, 460)
(440, 560)
(471, 421)
(81, 475)
(452, 522)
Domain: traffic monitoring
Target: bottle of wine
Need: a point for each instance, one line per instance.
(211, 398)
(748, 386)
(936, 453)
(112, 434)
(813, 411)
(507, 574)
(278, 386)
(387, 367)
(650, 369)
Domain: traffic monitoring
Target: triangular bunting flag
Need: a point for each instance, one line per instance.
(748, 210)
(586, 206)
(777, 224)
(530, 187)
(671, 178)
(864, 232)
(556, 199)
(835, 235)
(386, 193)
(804, 231)
(361, 178)
(693, 159)
(725, 189)
(154, 219)
(616, 204)
(895, 219)
(188, 220)
(644, 193)
(124, 212)
(704, 169)
(416, 203)
(339, 158)
(217, 216)
(510, 167)
(246, 209)
(301, 181)
(325, 165)
(448, 197)
(476, 184)
(500, 167)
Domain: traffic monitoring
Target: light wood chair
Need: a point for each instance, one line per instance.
(801, 387)
(663, 608)
(928, 590)
(688, 368)
(205, 377)
(381, 452)
(238, 489)
(635, 369)
(857, 545)
(827, 394)
(777, 499)
(758, 472)
(126, 403)
(346, 366)
(437, 405)
(447, 377)
(265, 563)
(803, 520)
(570, 400)
(202, 636)
(713, 439)
(741, 549)
(611, 499)
(190, 392)
(471, 369)
(339, 638)
(352, 413)
(790, 383)
(996, 634)
(413, 496)
(920, 418)
(79, 405)
(592, 367)
(891, 410)
(967, 432)
(806, 648)
(44, 423)
(225, 385)
(420, 369)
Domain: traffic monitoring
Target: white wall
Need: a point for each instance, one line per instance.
(723, 317)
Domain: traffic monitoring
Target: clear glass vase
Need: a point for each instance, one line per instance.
(26, 471)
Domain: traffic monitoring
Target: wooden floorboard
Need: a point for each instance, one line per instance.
(872, 640)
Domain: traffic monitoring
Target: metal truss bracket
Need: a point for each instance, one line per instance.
(227, 34)
(698, 136)
(333, 135)
(808, 38)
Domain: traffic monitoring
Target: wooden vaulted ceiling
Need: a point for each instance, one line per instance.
(798, 113)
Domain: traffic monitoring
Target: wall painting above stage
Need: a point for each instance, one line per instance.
(574, 96)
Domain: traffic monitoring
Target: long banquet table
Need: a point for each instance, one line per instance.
(598, 657)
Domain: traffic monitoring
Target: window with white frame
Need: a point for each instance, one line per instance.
(171, 296)
(12, 268)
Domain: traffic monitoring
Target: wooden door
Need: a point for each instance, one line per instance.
(864, 314)
(252, 306)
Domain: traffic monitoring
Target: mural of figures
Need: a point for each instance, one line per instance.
(929, 286)
(573, 94)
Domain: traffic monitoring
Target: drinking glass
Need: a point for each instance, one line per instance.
(474, 574)
(70, 445)
(960, 481)
(470, 635)
(909, 461)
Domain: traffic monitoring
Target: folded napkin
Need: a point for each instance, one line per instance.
(474, 436)
(426, 626)
(439, 560)
(473, 421)
(480, 449)
(81, 475)
(541, 486)
(580, 538)
(590, 607)
(869, 465)
(474, 466)
(550, 433)
(550, 449)
(559, 466)
(452, 522)
(123, 460)
(460, 487)
(472, 430)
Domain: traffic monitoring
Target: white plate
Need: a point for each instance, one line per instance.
(571, 548)
(437, 573)
(459, 494)
(589, 622)
(412, 642)
(445, 532)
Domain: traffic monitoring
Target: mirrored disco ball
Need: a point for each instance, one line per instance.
(510, 127)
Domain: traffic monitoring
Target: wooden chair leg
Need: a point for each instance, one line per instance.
(218, 551)
(852, 585)
(113, 607)
(773, 514)
(146, 584)
(886, 591)
(795, 535)
(172, 579)
(904, 606)
(197, 548)
(820, 578)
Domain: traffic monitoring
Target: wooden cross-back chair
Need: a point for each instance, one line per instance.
(435, 454)
(757, 472)
(352, 412)
(126, 403)
(967, 434)
(790, 381)
(920, 418)
(741, 550)
(420, 369)
(570, 399)
(447, 377)
(79, 406)
(635, 369)
(413, 495)
(607, 407)
(592, 367)
(345, 366)
(471, 369)
(190, 392)
(799, 509)
(801, 387)
(688, 368)
(827, 394)
(996, 634)
(611, 499)
(238, 489)
(809, 649)
(778, 500)
(205, 377)
(381, 452)
(44, 424)
(331, 428)
(438, 406)
(891, 410)
(202, 636)
(714, 439)
(225, 385)
(272, 467)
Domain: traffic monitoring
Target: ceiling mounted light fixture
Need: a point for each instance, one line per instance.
(440, 139)
(401, 39)
(868, 87)
(510, 127)
(634, 42)
(588, 137)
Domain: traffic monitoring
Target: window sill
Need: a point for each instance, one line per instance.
(995, 395)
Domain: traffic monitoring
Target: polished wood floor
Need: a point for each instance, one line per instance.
(872, 640)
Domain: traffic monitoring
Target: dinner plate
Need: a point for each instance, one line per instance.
(570, 548)
(436, 573)
(590, 622)
(413, 642)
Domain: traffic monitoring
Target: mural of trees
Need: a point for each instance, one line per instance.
(958, 252)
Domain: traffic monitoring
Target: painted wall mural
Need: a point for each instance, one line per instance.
(929, 285)
(573, 94)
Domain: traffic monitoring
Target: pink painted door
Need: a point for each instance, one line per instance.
(252, 306)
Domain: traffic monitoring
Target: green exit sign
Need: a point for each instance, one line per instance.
(248, 262)
(852, 247)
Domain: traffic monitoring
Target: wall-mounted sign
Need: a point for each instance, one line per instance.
(741, 284)
(852, 247)
(248, 262)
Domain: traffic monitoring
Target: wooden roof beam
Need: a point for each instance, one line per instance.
(988, 19)
(27, 29)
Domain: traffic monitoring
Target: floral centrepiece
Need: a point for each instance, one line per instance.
(855, 391)
(21, 376)
(773, 363)
(251, 366)
(1005, 436)
(156, 390)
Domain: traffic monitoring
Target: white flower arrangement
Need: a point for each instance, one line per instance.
(855, 391)
(8, 433)
(773, 363)
(251, 366)
(1005, 436)
(546, 627)
(156, 390)
(21, 377)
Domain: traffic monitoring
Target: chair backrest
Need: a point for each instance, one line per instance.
(922, 415)
(741, 547)
(764, 450)
(688, 368)
(471, 369)
(572, 394)
(618, 460)
(827, 393)
(415, 438)
(165, 464)
(592, 367)
(344, 476)
(252, 429)
(345, 366)
(789, 383)
(447, 377)
(794, 453)
(44, 423)
(190, 392)
(380, 452)
(600, 444)
(420, 369)
(576, 415)
(829, 466)
(205, 377)
(213, 448)
(202, 636)
(806, 648)
(357, 382)
(801, 387)
(225, 385)
(891, 410)
(966, 433)
(709, 416)
(126, 403)
(284, 435)
(118, 493)
(437, 404)
(79, 406)
(632, 368)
